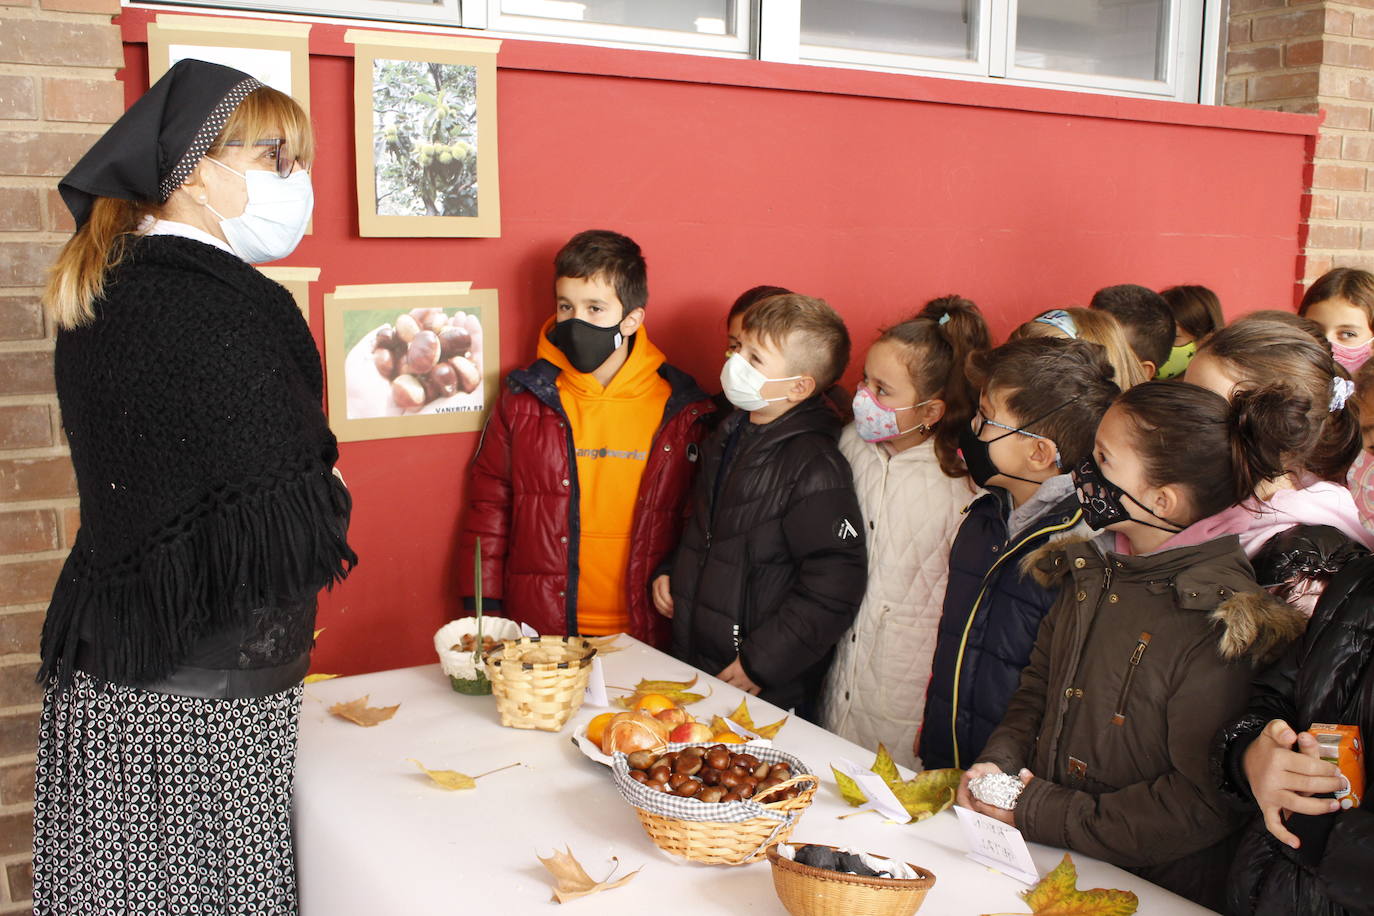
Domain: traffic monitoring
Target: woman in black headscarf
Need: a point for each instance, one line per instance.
(211, 516)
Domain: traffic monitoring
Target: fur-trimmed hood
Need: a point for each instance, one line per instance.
(1212, 577)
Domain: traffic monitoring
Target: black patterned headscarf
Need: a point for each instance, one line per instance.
(157, 143)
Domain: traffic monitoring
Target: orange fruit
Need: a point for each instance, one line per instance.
(727, 738)
(596, 728)
(654, 703)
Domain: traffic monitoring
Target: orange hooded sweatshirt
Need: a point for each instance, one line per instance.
(613, 429)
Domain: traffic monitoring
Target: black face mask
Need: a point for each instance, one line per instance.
(1101, 499)
(584, 344)
(977, 454)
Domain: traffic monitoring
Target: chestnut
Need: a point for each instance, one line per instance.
(781, 771)
(740, 771)
(469, 376)
(407, 391)
(747, 760)
(688, 789)
(639, 776)
(709, 776)
(687, 765)
(640, 760)
(423, 352)
(406, 328)
(385, 363)
(692, 752)
(444, 379)
(731, 797)
(454, 341)
(719, 747)
(711, 794)
(761, 771)
(386, 337)
(434, 320)
(745, 790)
(719, 758)
(729, 779)
(660, 773)
(677, 779)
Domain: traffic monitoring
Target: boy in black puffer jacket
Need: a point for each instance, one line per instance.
(1041, 401)
(772, 565)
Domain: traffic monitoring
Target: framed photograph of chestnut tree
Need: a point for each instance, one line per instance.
(425, 119)
(410, 359)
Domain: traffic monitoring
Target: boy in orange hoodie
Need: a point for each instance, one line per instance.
(578, 485)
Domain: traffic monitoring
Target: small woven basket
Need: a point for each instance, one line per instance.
(715, 833)
(808, 891)
(539, 694)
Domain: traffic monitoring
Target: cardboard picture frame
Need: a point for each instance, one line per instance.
(276, 53)
(426, 173)
(361, 396)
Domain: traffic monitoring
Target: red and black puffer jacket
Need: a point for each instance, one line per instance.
(526, 511)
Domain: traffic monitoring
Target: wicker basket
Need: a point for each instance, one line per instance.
(539, 694)
(465, 669)
(743, 830)
(808, 891)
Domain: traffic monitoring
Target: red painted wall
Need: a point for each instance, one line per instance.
(874, 191)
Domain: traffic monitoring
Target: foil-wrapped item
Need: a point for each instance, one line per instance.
(1001, 790)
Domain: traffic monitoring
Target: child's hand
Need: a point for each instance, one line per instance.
(663, 597)
(1283, 780)
(966, 799)
(734, 675)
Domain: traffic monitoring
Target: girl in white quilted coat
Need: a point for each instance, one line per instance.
(912, 487)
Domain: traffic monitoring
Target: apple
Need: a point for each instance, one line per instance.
(673, 716)
(690, 733)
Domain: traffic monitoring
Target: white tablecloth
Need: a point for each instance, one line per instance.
(375, 837)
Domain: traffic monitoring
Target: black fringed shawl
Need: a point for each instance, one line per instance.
(203, 460)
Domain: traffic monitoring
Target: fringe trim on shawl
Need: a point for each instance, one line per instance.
(240, 548)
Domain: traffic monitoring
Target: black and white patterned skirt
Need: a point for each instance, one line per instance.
(154, 803)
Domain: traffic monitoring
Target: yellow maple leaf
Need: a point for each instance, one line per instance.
(742, 717)
(573, 880)
(923, 795)
(316, 678)
(448, 779)
(1057, 894)
(358, 712)
(677, 691)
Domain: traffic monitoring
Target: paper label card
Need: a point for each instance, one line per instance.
(527, 630)
(596, 687)
(880, 797)
(997, 845)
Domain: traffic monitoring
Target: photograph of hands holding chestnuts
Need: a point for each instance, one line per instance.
(421, 361)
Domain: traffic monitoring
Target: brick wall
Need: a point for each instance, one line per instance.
(1306, 57)
(57, 93)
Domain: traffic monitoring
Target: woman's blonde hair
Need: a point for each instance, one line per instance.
(1097, 327)
(77, 279)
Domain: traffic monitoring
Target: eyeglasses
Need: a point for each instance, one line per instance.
(979, 422)
(285, 165)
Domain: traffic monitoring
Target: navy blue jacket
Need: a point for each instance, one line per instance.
(991, 615)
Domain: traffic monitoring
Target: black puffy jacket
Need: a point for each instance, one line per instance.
(1327, 676)
(772, 564)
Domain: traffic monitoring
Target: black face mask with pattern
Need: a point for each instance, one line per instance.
(1101, 499)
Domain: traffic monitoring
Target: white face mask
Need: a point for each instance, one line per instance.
(275, 218)
(742, 383)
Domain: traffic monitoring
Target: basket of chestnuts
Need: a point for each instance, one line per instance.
(713, 804)
(539, 681)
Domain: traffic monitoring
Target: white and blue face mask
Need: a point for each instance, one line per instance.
(273, 222)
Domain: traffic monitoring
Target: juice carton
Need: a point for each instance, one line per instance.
(1341, 745)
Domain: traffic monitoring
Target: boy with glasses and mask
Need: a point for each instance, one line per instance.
(772, 564)
(578, 485)
(1040, 401)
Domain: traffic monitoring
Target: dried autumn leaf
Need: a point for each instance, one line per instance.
(741, 717)
(316, 678)
(358, 712)
(448, 779)
(573, 881)
(673, 690)
(1057, 894)
(604, 645)
(318, 632)
(925, 794)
